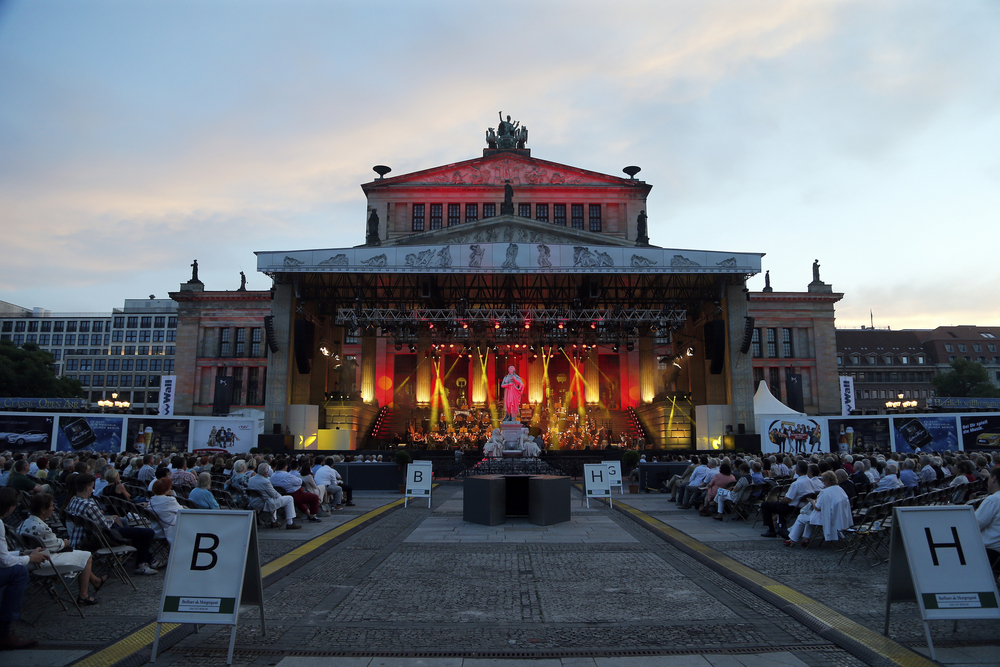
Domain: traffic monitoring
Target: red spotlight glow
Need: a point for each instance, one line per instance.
(496, 325)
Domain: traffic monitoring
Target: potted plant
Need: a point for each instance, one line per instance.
(403, 459)
(630, 459)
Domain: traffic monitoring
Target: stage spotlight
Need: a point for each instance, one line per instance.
(690, 352)
(562, 325)
(430, 325)
(413, 348)
(630, 346)
(399, 346)
(527, 324)
(614, 348)
(560, 347)
(465, 325)
(496, 325)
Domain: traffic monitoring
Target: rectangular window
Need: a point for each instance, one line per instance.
(140, 364)
(238, 385)
(144, 336)
(113, 365)
(99, 364)
(130, 336)
(755, 345)
(85, 380)
(43, 339)
(961, 347)
(787, 350)
(18, 339)
(143, 350)
(168, 365)
(8, 326)
(112, 380)
(156, 349)
(57, 354)
(127, 364)
(241, 342)
(758, 376)
(72, 365)
(160, 321)
(171, 336)
(255, 342)
(98, 380)
(595, 217)
(98, 327)
(86, 365)
(32, 338)
(172, 322)
(154, 381)
(138, 397)
(119, 322)
(155, 365)
(133, 322)
(71, 339)
(774, 380)
(577, 219)
(71, 327)
(84, 327)
(559, 214)
(772, 347)
(130, 350)
(252, 386)
(524, 210)
(158, 336)
(418, 217)
(471, 212)
(116, 349)
(95, 339)
(489, 211)
(542, 212)
(454, 214)
(170, 350)
(47, 327)
(117, 336)
(225, 345)
(146, 322)
(437, 211)
(33, 326)
(58, 326)
(139, 381)
(20, 326)
(4, 336)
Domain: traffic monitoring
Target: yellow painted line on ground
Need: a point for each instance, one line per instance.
(877, 642)
(143, 637)
(122, 649)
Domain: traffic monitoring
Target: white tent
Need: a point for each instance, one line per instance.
(764, 403)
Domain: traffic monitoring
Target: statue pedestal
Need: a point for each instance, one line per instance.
(511, 434)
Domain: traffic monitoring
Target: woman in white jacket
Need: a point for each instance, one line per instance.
(831, 509)
(165, 506)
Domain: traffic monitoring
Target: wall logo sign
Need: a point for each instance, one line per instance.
(168, 384)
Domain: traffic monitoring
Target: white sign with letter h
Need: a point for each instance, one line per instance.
(596, 482)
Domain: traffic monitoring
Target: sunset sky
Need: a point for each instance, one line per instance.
(137, 136)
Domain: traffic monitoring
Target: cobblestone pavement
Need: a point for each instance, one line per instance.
(419, 587)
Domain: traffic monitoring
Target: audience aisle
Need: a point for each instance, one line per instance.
(421, 587)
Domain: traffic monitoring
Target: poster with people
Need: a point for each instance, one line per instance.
(26, 433)
(232, 435)
(94, 433)
(148, 434)
(792, 435)
(923, 433)
(860, 434)
(980, 432)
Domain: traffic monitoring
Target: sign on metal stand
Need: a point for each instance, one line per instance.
(418, 481)
(214, 567)
(615, 473)
(596, 482)
(937, 559)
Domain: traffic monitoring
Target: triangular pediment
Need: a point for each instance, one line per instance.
(508, 229)
(496, 169)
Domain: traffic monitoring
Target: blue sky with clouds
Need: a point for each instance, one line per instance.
(137, 136)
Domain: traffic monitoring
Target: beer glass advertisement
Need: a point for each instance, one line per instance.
(144, 435)
(925, 434)
(232, 435)
(25, 432)
(861, 434)
(981, 431)
(796, 435)
(93, 433)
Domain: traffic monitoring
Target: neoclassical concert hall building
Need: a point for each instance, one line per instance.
(508, 260)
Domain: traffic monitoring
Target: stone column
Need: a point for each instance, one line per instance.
(279, 367)
(424, 368)
(478, 379)
(592, 378)
(740, 385)
(368, 345)
(647, 368)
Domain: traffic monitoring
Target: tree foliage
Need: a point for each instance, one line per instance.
(966, 379)
(26, 372)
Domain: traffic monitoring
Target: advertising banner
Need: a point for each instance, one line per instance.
(149, 434)
(95, 433)
(923, 433)
(167, 385)
(980, 431)
(226, 433)
(26, 432)
(847, 399)
(53, 404)
(792, 435)
(868, 433)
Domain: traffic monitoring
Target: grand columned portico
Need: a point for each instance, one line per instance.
(500, 261)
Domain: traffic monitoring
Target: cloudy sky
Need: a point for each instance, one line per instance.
(137, 136)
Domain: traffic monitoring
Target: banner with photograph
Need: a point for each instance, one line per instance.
(231, 435)
(847, 398)
(924, 433)
(95, 433)
(792, 435)
(866, 433)
(149, 434)
(980, 431)
(28, 433)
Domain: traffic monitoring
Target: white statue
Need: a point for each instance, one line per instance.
(494, 446)
(530, 449)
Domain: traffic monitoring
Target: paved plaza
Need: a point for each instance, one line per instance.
(642, 584)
